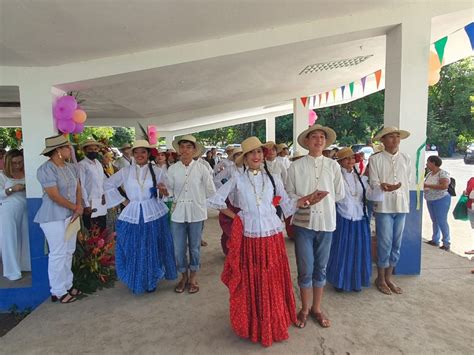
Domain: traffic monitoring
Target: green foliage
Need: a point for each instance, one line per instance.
(8, 138)
(121, 136)
(98, 133)
(284, 129)
(234, 134)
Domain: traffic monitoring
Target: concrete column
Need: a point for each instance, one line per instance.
(406, 104)
(37, 124)
(270, 129)
(300, 122)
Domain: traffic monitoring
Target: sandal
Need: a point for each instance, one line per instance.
(321, 318)
(302, 317)
(63, 299)
(203, 243)
(383, 288)
(74, 292)
(193, 287)
(181, 286)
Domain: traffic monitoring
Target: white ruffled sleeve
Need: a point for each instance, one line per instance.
(288, 205)
(112, 195)
(217, 201)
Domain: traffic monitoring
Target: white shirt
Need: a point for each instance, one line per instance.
(285, 161)
(206, 164)
(190, 186)
(227, 169)
(259, 218)
(222, 165)
(351, 207)
(91, 176)
(391, 169)
(276, 167)
(307, 175)
(137, 182)
(123, 162)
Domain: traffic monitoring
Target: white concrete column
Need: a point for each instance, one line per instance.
(37, 124)
(300, 122)
(406, 82)
(270, 129)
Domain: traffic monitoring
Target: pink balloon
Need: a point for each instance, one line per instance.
(66, 126)
(79, 128)
(312, 117)
(64, 107)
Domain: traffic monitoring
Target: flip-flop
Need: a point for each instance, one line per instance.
(383, 288)
(193, 288)
(74, 292)
(321, 318)
(181, 286)
(302, 318)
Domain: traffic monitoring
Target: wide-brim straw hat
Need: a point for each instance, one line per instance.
(270, 144)
(234, 152)
(125, 146)
(229, 149)
(344, 153)
(248, 145)
(190, 138)
(387, 130)
(280, 147)
(90, 142)
(330, 135)
(141, 143)
(296, 155)
(54, 142)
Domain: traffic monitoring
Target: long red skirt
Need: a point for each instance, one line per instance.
(256, 271)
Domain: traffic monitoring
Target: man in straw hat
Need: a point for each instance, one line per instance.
(91, 175)
(274, 165)
(314, 225)
(126, 158)
(190, 183)
(390, 171)
(283, 153)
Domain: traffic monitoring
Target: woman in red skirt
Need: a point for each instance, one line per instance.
(256, 271)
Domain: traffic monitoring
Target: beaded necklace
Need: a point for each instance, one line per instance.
(70, 181)
(353, 193)
(258, 198)
(140, 183)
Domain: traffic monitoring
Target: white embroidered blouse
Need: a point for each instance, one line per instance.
(254, 195)
(137, 182)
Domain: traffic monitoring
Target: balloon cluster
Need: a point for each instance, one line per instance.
(68, 115)
(434, 68)
(312, 117)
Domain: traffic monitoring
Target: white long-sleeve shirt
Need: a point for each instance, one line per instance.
(190, 186)
(276, 167)
(307, 175)
(391, 169)
(137, 182)
(254, 195)
(91, 175)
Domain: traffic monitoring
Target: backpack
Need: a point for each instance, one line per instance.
(452, 187)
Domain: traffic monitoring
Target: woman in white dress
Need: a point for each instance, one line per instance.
(14, 242)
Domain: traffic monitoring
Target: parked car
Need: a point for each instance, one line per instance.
(469, 155)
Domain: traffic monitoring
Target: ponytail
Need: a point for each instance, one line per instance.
(279, 211)
(364, 199)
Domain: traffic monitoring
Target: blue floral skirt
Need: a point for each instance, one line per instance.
(144, 254)
(350, 263)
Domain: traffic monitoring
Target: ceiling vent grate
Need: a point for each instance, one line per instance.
(336, 64)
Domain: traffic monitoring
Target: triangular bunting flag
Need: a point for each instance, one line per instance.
(351, 88)
(327, 96)
(334, 94)
(304, 100)
(470, 33)
(343, 87)
(363, 83)
(378, 75)
(439, 46)
(320, 99)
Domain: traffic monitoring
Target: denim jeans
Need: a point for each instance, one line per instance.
(438, 210)
(312, 254)
(187, 235)
(389, 228)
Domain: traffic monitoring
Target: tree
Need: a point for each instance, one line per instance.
(121, 136)
(8, 137)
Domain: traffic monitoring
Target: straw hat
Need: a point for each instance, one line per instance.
(296, 156)
(141, 143)
(51, 143)
(90, 142)
(344, 153)
(125, 146)
(229, 149)
(388, 130)
(190, 138)
(248, 145)
(378, 148)
(270, 144)
(234, 152)
(280, 147)
(330, 135)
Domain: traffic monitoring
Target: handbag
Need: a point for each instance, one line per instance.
(460, 211)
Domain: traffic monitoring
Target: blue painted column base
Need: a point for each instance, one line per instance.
(30, 297)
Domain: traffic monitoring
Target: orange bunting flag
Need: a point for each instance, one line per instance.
(304, 100)
(378, 75)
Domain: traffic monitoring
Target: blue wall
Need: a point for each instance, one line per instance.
(30, 297)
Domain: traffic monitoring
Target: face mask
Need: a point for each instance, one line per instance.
(92, 155)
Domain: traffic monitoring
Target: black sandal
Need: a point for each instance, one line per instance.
(74, 292)
(63, 297)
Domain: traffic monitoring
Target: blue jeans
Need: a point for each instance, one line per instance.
(312, 254)
(438, 210)
(187, 234)
(389, 228)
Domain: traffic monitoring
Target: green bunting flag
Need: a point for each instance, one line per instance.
(439, 46)
(351, 88)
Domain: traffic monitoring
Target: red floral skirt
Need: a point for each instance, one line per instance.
(256, 271)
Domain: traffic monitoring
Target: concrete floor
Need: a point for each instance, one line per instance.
(434, 315)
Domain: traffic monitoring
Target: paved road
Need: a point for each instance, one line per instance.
(462, 237)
